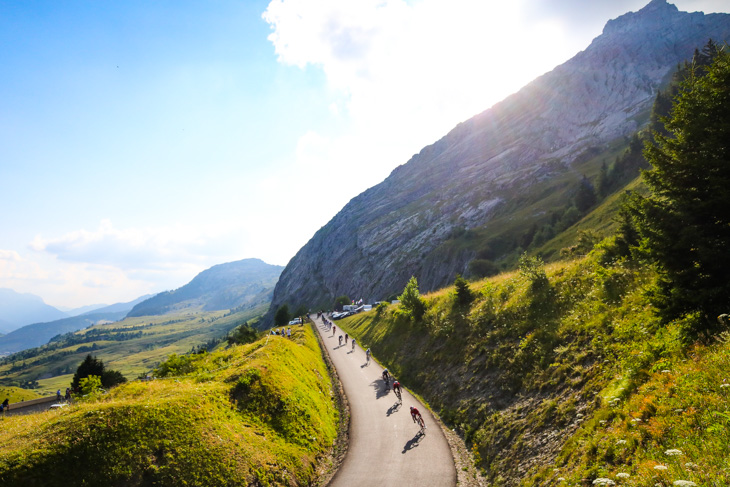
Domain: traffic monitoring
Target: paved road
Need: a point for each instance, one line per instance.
(386, 448)
(31, 406)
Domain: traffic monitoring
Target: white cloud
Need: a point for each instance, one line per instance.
(109, 264)
(404, 73)
(133, 248)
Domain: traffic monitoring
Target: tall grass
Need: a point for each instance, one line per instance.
(541, 374)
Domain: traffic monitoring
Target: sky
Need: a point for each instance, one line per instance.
(143, 142)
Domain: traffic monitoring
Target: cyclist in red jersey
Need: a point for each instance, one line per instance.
(416, 414)
(396, 388)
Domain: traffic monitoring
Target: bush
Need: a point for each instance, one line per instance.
(176, 365)
(90, 384)
(242, 334)
(412, 301)
(94, 366)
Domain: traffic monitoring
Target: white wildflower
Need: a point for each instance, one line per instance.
(666, 371)
(691, 465)
(724, 385)
(602, 481)
(660, 467)
(561, 479)
(684, 483)
(673, 452)
(679, 410)
(622, 475)
(621, 442)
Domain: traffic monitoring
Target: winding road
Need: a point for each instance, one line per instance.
(386, 447)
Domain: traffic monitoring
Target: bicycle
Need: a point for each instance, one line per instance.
(398, 394)
(420, 422)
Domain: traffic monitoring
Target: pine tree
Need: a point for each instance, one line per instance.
(282, 316)
(89, 366)
(586, 196)
(603, 183)
(684, 222)
(464, 295)
(411, 299)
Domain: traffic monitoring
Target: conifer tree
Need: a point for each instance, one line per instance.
(684, 222)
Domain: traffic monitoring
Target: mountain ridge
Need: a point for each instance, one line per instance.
(37, 334)
(486, 166)
(247, 282)
(20, 309)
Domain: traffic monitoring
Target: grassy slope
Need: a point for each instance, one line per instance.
(528, 371)
(16, 394)
(162, 335)
(205, 428)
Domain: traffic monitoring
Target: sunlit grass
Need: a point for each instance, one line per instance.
(195, 429)
(585, 353)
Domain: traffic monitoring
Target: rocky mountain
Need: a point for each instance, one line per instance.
(17, 310)
(37, 334)
(503, 165)
(244, 283)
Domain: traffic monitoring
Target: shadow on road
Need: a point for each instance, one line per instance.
(394, 408)
(413, 442)
(381, 389)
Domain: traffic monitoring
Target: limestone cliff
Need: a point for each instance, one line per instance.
(484, 165)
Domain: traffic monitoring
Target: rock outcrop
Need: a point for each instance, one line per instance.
(484, 165)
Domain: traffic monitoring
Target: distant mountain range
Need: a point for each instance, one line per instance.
(242, 284)
(83, 309)
(17, 310)
(37, 334)
(472, 194)
(245, 284)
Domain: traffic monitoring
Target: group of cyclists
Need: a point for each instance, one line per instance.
(387, 376)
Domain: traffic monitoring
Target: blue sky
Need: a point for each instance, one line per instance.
(142, 142)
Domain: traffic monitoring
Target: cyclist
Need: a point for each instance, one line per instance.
(340, 340)
(353, 344)
(396, 387)
(334, 330)
(386, 375)
(346, 337)
(367, 355)
(416, 416)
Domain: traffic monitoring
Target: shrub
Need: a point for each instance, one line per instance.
(412, 301)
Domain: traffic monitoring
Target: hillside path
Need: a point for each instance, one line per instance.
(386, 448)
